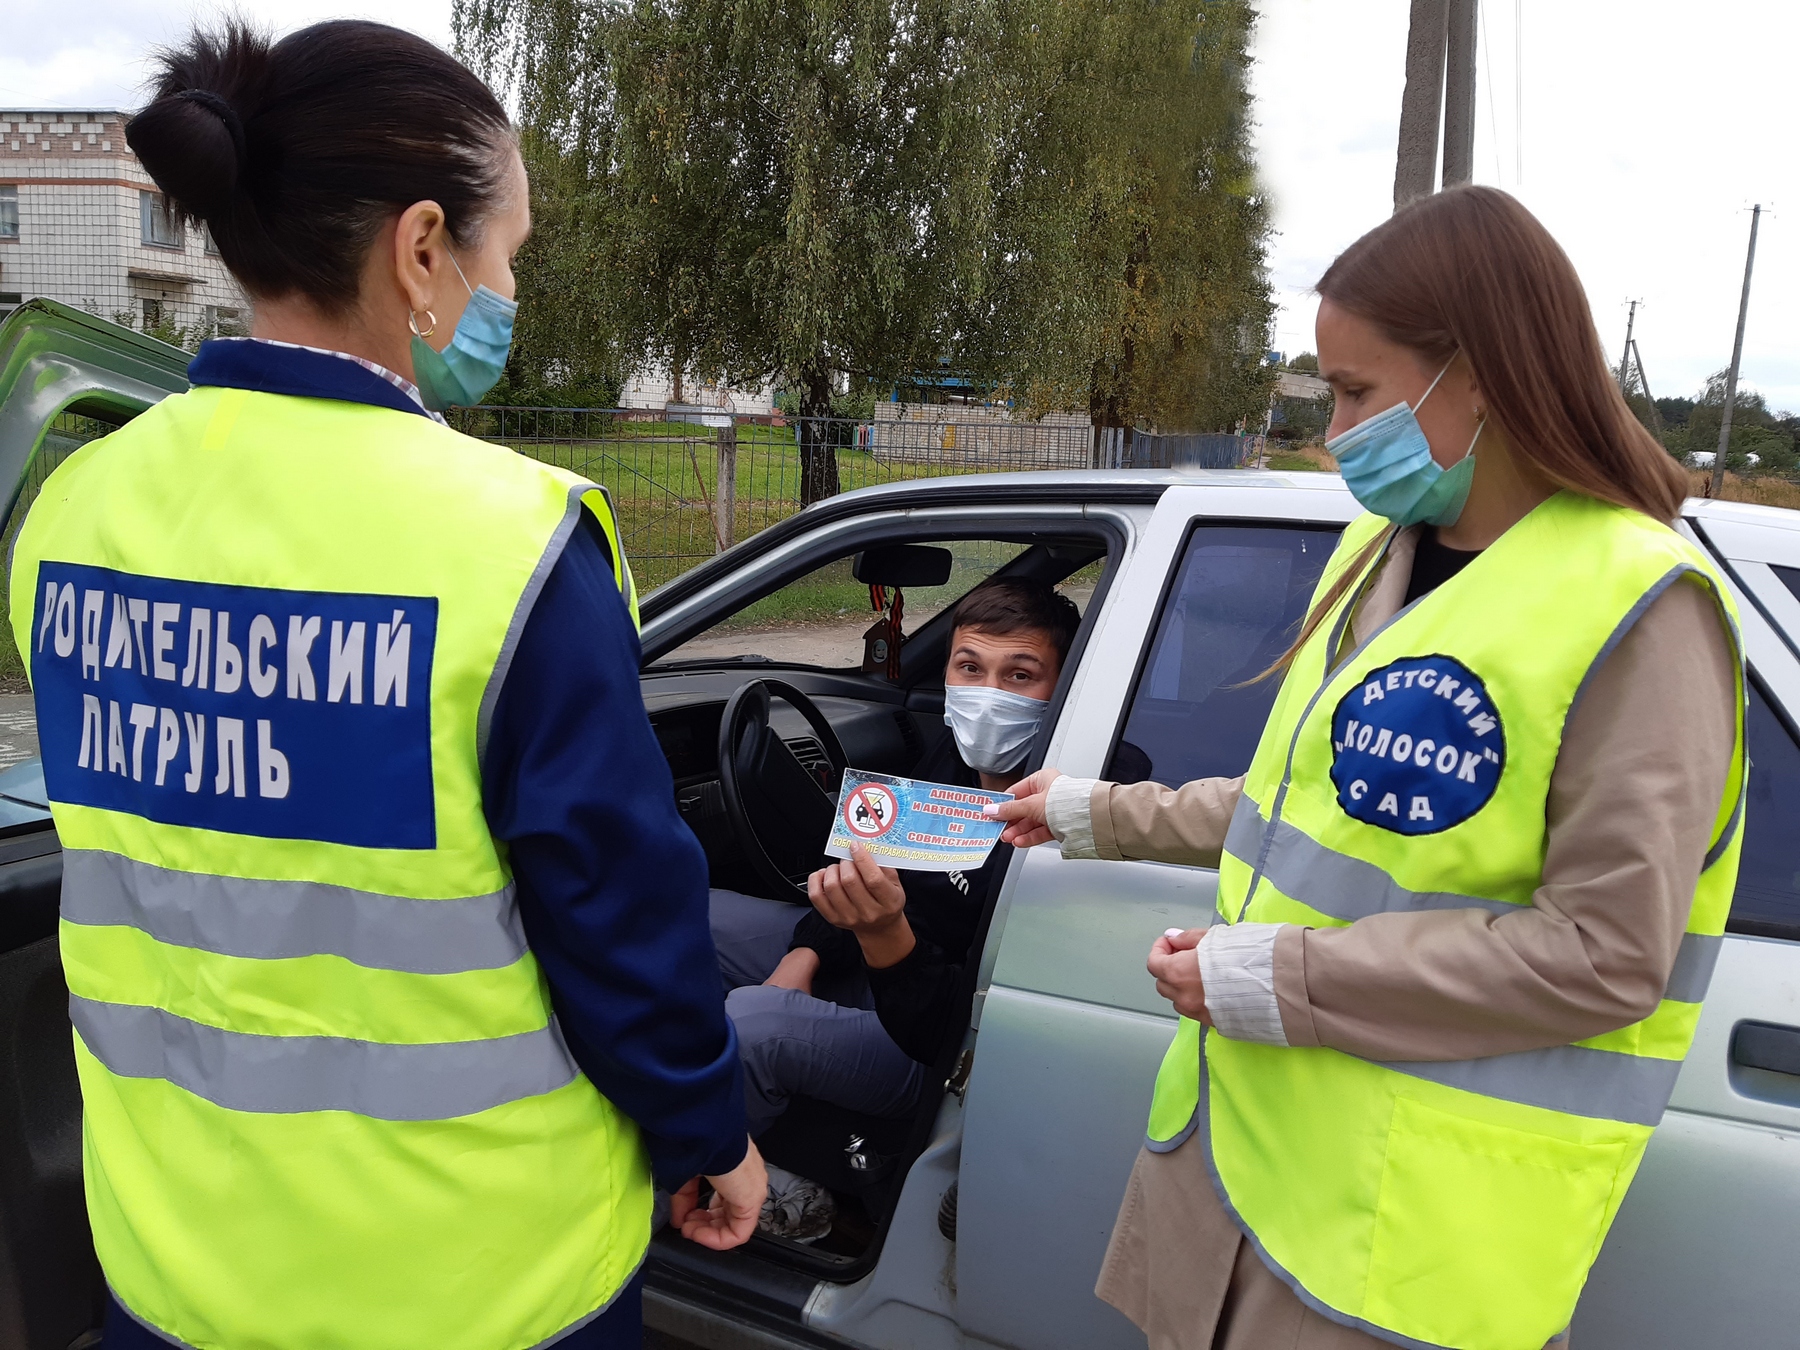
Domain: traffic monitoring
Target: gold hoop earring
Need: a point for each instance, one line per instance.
(413, 323)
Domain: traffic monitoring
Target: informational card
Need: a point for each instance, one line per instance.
(904, 822)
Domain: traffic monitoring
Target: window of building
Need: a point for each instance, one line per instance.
(160, 229)
(1238, 600)
(9, 211)
(224, 321)
(206, 240)
(9, 301)
(1767, 903)
(153, 312)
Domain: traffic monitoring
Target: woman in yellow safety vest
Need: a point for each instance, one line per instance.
(386, 945)
(1473, 884)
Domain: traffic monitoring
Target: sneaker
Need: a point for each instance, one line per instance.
(797, 1209)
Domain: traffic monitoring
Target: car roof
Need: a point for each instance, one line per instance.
(1100, 482)
(1747, 513)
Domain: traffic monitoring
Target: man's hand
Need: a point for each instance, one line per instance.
(736, 1205)
(1024, 815)
(1175, 962)
(868, 899)
(796, 970)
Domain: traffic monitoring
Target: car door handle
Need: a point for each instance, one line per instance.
(1765, 1045)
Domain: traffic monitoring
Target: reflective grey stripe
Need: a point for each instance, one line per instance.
(1243, 837)
(1736, 818)
(238, 916)
(1625, 625)
(1347, 888)
(287, 1074)
(1694, 962)
(1181, 1137)
(1575, 1079)
(1334, 883)
(515, 628)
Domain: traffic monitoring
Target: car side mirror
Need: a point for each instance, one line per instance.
(898, 565)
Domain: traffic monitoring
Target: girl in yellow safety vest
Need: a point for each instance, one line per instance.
(1473, 882)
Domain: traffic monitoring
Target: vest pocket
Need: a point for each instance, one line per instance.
(1483, 1232)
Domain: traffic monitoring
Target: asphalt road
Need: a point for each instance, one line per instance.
(18, 730)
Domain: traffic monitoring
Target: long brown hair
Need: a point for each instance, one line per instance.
(1470, 270)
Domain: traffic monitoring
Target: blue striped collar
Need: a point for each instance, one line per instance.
(270, 367)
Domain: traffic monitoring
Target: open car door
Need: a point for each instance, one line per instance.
(65, 378)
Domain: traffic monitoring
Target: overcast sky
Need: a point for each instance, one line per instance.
(1639, 131)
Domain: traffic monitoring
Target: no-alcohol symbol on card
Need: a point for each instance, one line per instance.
(870, 810)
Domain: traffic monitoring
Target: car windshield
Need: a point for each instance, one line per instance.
(823, 617)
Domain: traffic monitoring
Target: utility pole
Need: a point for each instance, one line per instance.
(1439, 102)
(1459, 95)
(1656, 422)
(1625, 352)
(1421, 106)
(1737, 354)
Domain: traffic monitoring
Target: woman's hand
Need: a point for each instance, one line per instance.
(863, 896)
(1175, 962)
(736, 1205)
(1024, 815)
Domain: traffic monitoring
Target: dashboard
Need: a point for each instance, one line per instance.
(880, 728)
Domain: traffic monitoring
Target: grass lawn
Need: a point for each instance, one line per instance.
(830, 593)
(1304, 458)
(664, 479)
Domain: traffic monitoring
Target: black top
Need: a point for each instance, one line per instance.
(916, 997)
(1433, 564)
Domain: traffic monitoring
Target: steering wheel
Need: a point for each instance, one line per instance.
(779, 812)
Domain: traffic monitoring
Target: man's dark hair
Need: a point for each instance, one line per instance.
(295, 153)
(1013, 606)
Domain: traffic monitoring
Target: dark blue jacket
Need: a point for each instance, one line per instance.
(612, 884)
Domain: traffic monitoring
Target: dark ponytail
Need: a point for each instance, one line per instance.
(294, 154)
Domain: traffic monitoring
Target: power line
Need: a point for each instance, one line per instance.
(1487, 63)
(1518, 92)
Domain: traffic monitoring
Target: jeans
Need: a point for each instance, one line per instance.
(793, 1044)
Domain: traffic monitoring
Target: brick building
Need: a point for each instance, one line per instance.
(81, 222)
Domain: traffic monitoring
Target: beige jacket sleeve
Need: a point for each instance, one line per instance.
(1633, 800)
(1178, 825)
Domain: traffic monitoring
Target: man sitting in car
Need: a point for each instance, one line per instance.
(851, 1004)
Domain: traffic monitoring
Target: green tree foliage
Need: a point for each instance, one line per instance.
(1771, 437)
(1055, 198)
(797, 190)
(1307, 363)
(1129, 237)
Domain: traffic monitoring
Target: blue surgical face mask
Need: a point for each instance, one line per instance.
(993, 727)
(461, 374)
(1387, 465)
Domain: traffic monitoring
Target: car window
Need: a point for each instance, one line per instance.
(1767, 903)
(819, 619)
(1789, 577)
(1238, 599)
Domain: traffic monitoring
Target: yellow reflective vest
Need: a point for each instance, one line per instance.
(1443, 1203)
(325, 1100)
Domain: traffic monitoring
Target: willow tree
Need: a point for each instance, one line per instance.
(792, 190)
(1129, 230)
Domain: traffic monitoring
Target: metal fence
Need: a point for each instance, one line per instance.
(688, 485)
(1123, 448)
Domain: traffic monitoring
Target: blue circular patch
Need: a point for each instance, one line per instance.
(1417, 747)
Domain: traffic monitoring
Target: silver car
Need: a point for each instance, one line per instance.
(982, 1220)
